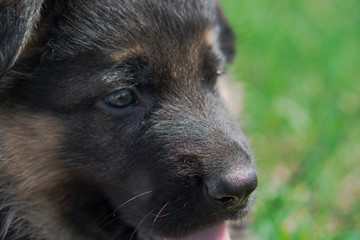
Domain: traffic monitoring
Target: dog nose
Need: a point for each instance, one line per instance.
(233, 189)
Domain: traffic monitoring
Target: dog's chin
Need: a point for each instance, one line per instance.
(214, 231)
(219, 232)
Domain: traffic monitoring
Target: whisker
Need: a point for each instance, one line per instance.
(98, 227)
(108, 223)
(132, 199)
(157, 216)
(172, 218)
(142, 220)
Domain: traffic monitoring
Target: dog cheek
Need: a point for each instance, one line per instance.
(97, 145)
(133, 197)
(31, 149)
(33, 145)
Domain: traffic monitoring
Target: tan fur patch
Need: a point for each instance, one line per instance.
(30, 147)
(232, 93)
(210, 37)
(127, 53)
(31, 144)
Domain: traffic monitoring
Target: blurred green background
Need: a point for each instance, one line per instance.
(299, 61)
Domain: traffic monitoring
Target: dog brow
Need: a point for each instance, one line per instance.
(133, 71)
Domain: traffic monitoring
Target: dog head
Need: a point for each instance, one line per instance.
(125, 94)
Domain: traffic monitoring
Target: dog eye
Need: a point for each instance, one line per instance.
(121, 98)
(214, 76)
(220, 72)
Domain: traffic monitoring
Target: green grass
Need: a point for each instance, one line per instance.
(300, 63)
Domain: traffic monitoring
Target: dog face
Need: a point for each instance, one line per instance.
(112, 124)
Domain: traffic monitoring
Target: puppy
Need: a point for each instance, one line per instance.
(111, 123)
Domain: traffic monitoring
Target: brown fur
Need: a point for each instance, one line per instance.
(30, 147)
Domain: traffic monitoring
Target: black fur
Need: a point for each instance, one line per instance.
(73, 166)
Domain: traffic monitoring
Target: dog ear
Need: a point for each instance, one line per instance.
(18, 18)
(226, 35)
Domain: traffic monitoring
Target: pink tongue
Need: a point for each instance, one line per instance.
(215, 233)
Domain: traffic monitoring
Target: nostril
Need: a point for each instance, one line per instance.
(231, 190)
(226, 200)
(229, 201)
(223, 200)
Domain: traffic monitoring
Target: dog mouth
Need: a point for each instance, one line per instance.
(113, 224)
(215, 232)
(219, 232)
